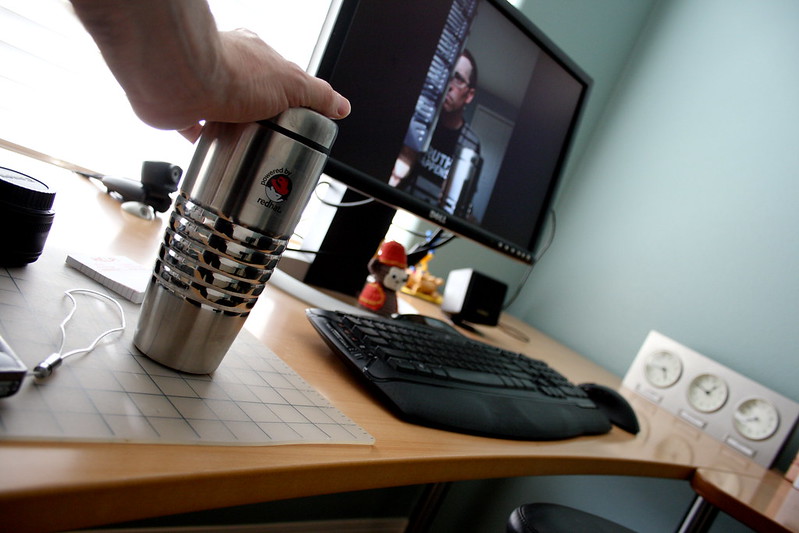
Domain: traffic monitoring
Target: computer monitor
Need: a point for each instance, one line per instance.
(485, 171)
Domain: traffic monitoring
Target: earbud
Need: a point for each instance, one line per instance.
(46, 367)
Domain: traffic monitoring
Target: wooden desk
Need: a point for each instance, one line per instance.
(53, 485)
(764, 502)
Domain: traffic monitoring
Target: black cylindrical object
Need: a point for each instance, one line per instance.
(26, 217)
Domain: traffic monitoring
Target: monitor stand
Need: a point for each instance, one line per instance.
(343, 245)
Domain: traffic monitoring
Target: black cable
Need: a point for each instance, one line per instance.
(513, 332)
(89, 174)
(315, 252)
(554, 218)
(438, 239)
(415, 233)
(538, 258)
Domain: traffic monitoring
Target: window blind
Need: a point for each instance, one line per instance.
(58, 98)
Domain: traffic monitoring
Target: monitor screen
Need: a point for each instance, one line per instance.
(462, 114)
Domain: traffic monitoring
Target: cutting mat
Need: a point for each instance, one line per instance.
(116, 394)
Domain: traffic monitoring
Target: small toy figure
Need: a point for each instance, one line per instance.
(388, 275)
(422, 284)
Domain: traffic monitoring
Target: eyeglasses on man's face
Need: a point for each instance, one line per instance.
(459, 81)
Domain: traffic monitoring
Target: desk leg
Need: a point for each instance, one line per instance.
(426, 508)
(699, 517)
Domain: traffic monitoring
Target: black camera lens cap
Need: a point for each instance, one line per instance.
(24, 191)
(25, 216)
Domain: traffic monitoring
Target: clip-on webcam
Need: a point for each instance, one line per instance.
(152, 193)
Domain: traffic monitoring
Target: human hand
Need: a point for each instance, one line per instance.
(178, 70)
(255, 82)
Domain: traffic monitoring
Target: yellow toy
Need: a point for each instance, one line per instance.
(421, 283)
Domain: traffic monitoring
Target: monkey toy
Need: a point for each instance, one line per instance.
(387, 275)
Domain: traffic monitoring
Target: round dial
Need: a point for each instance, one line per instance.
(708, 393)
(663, 369)
(756, 419)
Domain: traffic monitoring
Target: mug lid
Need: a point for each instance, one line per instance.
(306, 126)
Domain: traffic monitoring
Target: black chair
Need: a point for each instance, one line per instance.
(553, 518)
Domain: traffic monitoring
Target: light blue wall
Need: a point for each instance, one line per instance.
(682, 214)
(679, 213)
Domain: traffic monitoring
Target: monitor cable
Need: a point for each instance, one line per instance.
(536, 259)
(436, 239)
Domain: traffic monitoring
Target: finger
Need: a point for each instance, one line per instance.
(327, 101)
(192, 133)
(343, 107)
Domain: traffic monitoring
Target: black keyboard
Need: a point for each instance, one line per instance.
(440, 378)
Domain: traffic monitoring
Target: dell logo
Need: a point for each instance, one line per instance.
(436, 216)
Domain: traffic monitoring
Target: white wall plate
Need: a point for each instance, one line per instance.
(726, 405)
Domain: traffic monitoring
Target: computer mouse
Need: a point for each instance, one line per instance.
(613, 405)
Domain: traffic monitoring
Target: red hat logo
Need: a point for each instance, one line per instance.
(278, 188)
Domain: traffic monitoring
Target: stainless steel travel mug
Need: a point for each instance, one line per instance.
(241, 198)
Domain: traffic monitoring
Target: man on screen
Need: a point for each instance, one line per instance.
(424, 175)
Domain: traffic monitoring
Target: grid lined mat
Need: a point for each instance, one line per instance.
(117, 394)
